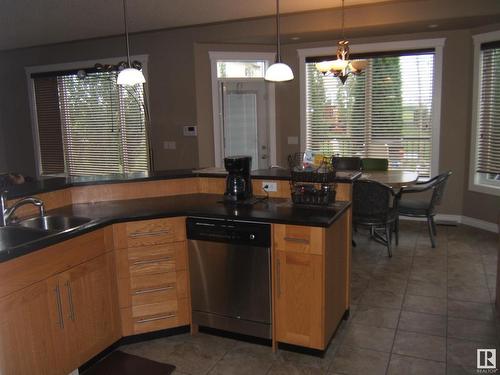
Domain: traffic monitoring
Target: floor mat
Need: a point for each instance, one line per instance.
(120, 363)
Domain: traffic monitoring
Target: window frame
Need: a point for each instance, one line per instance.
(475, 179)
(437, 44)
(143, 59)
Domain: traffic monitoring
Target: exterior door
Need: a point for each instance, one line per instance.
(245, 120)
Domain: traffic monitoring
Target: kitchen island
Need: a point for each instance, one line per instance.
(130, 259)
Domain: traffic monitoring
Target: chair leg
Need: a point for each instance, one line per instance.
(434, 229)
(396, 230)
(431, 232)
(388, 230)
(372, 231)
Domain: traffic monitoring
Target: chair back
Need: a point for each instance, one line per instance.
(375, 164)
(372, 201)
(346, 163)
(438, 186)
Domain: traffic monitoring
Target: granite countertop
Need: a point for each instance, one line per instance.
(45, 185)
(274, 210)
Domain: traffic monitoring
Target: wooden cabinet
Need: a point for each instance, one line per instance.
(58, 323)
(89, 306)
(28, 331)
(311, 282)
(152, 274)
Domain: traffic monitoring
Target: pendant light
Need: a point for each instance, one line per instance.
(130, 75)
(342, 67)
(278, 72)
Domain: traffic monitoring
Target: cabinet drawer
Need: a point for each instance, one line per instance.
(149, 323)
(149, 232)
(152, 309)
(299, 239)
(159, 293)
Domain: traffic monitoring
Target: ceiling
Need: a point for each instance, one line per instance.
(25, 23)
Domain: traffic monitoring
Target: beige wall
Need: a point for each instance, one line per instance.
(180, 92)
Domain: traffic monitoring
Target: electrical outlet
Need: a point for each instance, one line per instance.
(270, 187)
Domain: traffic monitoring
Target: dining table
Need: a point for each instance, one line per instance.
(394, 179)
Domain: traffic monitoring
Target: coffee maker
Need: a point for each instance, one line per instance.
(238, 182)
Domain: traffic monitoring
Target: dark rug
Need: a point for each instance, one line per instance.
(120, 363)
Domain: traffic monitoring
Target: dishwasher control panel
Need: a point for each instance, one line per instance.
(229, 231)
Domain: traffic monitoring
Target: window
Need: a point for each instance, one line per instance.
(485, 160)
(88, 125)
(386, 112)
(241, 69)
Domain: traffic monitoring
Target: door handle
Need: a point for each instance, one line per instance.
(150, 261)
(60, 318)
(70, 300)
(296, 240)
(147, 234)
(278, 277)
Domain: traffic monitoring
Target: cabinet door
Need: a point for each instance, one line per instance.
(90, 306)
(299, 302)
(29, 319)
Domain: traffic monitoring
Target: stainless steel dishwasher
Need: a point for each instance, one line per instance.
(229, 266)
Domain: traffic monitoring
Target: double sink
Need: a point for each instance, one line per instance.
(36, 228)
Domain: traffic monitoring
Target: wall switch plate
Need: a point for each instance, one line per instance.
(293, 140)
(270, 187)
(190, 131)
(169, 145)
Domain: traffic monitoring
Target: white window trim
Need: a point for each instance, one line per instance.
(474, 179)
(215, 56)
(29, 70)
(437, 44)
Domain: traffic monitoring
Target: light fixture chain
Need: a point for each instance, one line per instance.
(278, 43)
(343, 21)
(126, 32)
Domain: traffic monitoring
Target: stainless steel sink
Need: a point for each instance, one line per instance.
(54, 223)
(11, 236)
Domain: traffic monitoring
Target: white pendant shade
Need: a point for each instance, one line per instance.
(130, 77)
(279, 72)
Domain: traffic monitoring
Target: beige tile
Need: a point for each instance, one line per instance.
(420, 346)
(376, 317)
(389, 284)
(428, 275)
(384, 299)
(470, 310)
(472, 330)
(430, 305)
(367, 337)
(430, 324)
(469, 293)
(295, 363)
(244, 359)
(402, 365)
(351, 360)
(427, 288)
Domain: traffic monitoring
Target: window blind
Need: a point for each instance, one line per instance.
(488, 143)
(384, 113)
(102, 125)
(49, 125)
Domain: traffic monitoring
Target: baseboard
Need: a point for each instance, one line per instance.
(445, 219)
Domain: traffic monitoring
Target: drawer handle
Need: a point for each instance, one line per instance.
(150, 261)
(297, 240)
(147, 234)
(147, 320)
(152, 290)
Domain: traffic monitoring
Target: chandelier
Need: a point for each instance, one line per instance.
(342, 67)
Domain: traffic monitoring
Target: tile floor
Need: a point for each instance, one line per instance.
(425, 311)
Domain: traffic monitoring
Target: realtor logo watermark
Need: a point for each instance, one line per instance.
(486, 361)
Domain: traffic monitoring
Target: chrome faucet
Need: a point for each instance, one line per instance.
(7, 212)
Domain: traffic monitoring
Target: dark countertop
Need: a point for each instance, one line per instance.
(199, 205)
(57, 183)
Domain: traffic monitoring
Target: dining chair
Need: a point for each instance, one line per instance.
(375, 205)
(346, 163)
(422, 207)
(374, 164)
